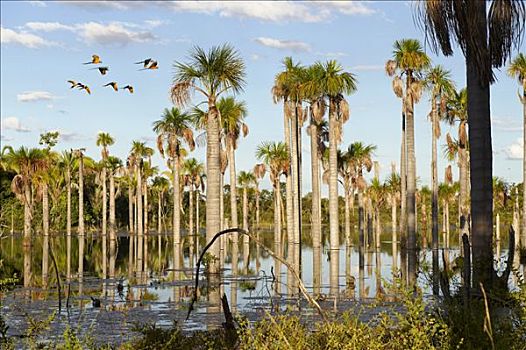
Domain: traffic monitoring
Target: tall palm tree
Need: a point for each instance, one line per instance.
(79, 156)
(276, 156)
(409, 59)
(25, 162)
(104, 140)
(457, 112)
(318, 136)
(259, 172)
(246, 180)
(334, 84)
(173, 129)
(232, 115)
(517, 69)
(212, 73)
(486, 38)
(114, 165)
(360, 155)
(287, 89)
(438, 81)
(192, 170)
(67, 164)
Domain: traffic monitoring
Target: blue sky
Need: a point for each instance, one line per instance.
(44, 43)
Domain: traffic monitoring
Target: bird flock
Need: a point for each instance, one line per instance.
(148, 64)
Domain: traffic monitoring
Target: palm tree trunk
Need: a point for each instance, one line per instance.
(277, 213)
(434, 198)
(68, 226)
(333, 192)
(191, 223)
(222, 239)
(213, 172)
(315, 170)
(197, 223)
(145, 196)
(104, 224)
(27, 236)
(140, 232)
(481, 160)
(233, 189)
(411, 187)
(361, 233)
(159, 214)
(245, 227)
(176, 229)
(523, 232)
(393, 219)
(289, 185)
(463, 174)
(45, 226)
(257, 206)
(295, 179)
(113, 237)
(130, 210)
(81, 218)
(403, 185)
(347, 216)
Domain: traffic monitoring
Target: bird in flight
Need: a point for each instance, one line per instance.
(151, 65)
(95, 59)
(145, 63)
(129, 88)
(84, 87)
(113, 85)
(73, 84)
(102, 70)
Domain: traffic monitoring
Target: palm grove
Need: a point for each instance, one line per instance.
(50, 192)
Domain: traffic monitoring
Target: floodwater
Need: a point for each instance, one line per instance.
(162, 292)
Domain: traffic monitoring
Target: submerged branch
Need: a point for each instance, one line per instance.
(271, 253)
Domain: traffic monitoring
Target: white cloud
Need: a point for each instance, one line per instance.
(32, 41)
(48, 26)
(112, 33)
(347, 7)
(33, 96)
(292, 45)
(12, 123)
(515, 150)
(154, 23)
(368, 67)
(269, 11)
(38, 3)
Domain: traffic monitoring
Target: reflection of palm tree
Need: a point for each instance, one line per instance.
(246, 180)
(517, 69)
(446, 23)
(211, 73)
(25, 162)
(172, 129)
(409, 59)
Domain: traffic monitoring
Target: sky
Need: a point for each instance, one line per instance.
(43, 44)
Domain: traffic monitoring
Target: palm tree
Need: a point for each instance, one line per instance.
(393, 188)
(287, 88)
(113, 164)
(232, 114)
(259, 172)
(172, 129)
(457, 111)
(192, 169)
(517, 69)
(25, 162)
(246, 180)
(276, 156)
(486, 38)
(360, 155)
(79, 156)
(334, 83)
(212, 73)
(438, 82)
(409, 59)
(104, 140)
(67, 164)
(346, 171)
(318, 132)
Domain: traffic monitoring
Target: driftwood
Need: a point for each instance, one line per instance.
(271, 253)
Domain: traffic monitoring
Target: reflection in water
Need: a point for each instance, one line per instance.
(170, 284)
